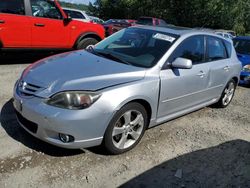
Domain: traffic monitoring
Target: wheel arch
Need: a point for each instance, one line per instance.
(145, 103)
(236, 79)
(87, 35)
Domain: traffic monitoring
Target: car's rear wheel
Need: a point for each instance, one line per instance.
(84, 43)
(227, 94)
(126, 128)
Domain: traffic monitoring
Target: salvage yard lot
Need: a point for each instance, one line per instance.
(208, 148)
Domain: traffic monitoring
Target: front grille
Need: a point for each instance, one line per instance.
(27, 89)
(31, 126)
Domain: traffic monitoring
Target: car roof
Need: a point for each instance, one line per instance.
(176, 30)
(243, 37)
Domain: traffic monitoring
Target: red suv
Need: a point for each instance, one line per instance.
(42, 24)
(113, 25)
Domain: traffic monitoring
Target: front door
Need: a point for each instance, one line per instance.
(184, 88)
(48, 28)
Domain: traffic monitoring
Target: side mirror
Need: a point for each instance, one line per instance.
(67, 19)
(182, 63)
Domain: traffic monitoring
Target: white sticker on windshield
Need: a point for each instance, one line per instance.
(164, 37)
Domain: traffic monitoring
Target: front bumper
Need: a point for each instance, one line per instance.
(245, 78)
(46, 122)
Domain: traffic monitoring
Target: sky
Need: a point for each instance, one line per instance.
(79, 1)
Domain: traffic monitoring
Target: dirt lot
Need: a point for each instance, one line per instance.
(207, 148)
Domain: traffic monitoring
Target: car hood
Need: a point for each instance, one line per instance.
(79, 70)
(245, 59)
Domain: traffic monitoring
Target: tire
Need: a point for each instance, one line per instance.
(124, 134)
(227, 95)
(84, 43)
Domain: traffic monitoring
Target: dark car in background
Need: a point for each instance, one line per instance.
(242, 46)
(113, 25)
(151, 21)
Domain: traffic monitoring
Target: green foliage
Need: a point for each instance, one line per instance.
(217, 14)
(75, 6)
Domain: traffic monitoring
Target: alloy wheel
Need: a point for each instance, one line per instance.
(228, 94)
(127, 129)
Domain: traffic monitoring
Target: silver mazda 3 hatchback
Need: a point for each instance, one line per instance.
(112, 92)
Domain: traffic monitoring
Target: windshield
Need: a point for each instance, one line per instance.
(242, 46)
(136, 46)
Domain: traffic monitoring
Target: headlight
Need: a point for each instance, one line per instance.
(246, 68)
(73, 100)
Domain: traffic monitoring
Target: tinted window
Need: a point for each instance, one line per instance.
(74, 14)
(12, 6)
(191, 48)
(215, 49)
(45, 9)
(242, 46)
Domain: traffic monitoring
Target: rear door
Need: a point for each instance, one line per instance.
(48, 27)
(184, 88)
(218, 54)
(15, 27)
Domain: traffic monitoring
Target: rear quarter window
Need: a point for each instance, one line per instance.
(228, 48)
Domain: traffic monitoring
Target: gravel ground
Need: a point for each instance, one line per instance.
(207, 148)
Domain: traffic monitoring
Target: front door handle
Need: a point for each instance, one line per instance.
(201, 74)
(39, 25)
(2, 21)
(226, 68)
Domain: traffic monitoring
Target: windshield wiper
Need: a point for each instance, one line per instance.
(111, 56)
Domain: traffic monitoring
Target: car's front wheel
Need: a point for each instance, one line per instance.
(227, 94)
(126, 128)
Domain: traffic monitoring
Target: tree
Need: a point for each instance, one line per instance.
(217, 14)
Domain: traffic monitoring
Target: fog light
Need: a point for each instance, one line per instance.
(66, 138)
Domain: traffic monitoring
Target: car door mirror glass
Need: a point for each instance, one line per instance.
(182, 63)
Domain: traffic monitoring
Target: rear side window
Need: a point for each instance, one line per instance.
(191, 48)
(215, 49)
(74, 14)
(12, 7)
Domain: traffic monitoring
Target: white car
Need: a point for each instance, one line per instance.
(77, 14)
(96, 20)
(225, 35)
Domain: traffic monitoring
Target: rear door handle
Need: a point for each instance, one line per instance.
(2, 21)
(201, 74)
(39, 25)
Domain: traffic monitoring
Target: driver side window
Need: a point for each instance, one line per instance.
(45, 9)
(192, 48)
